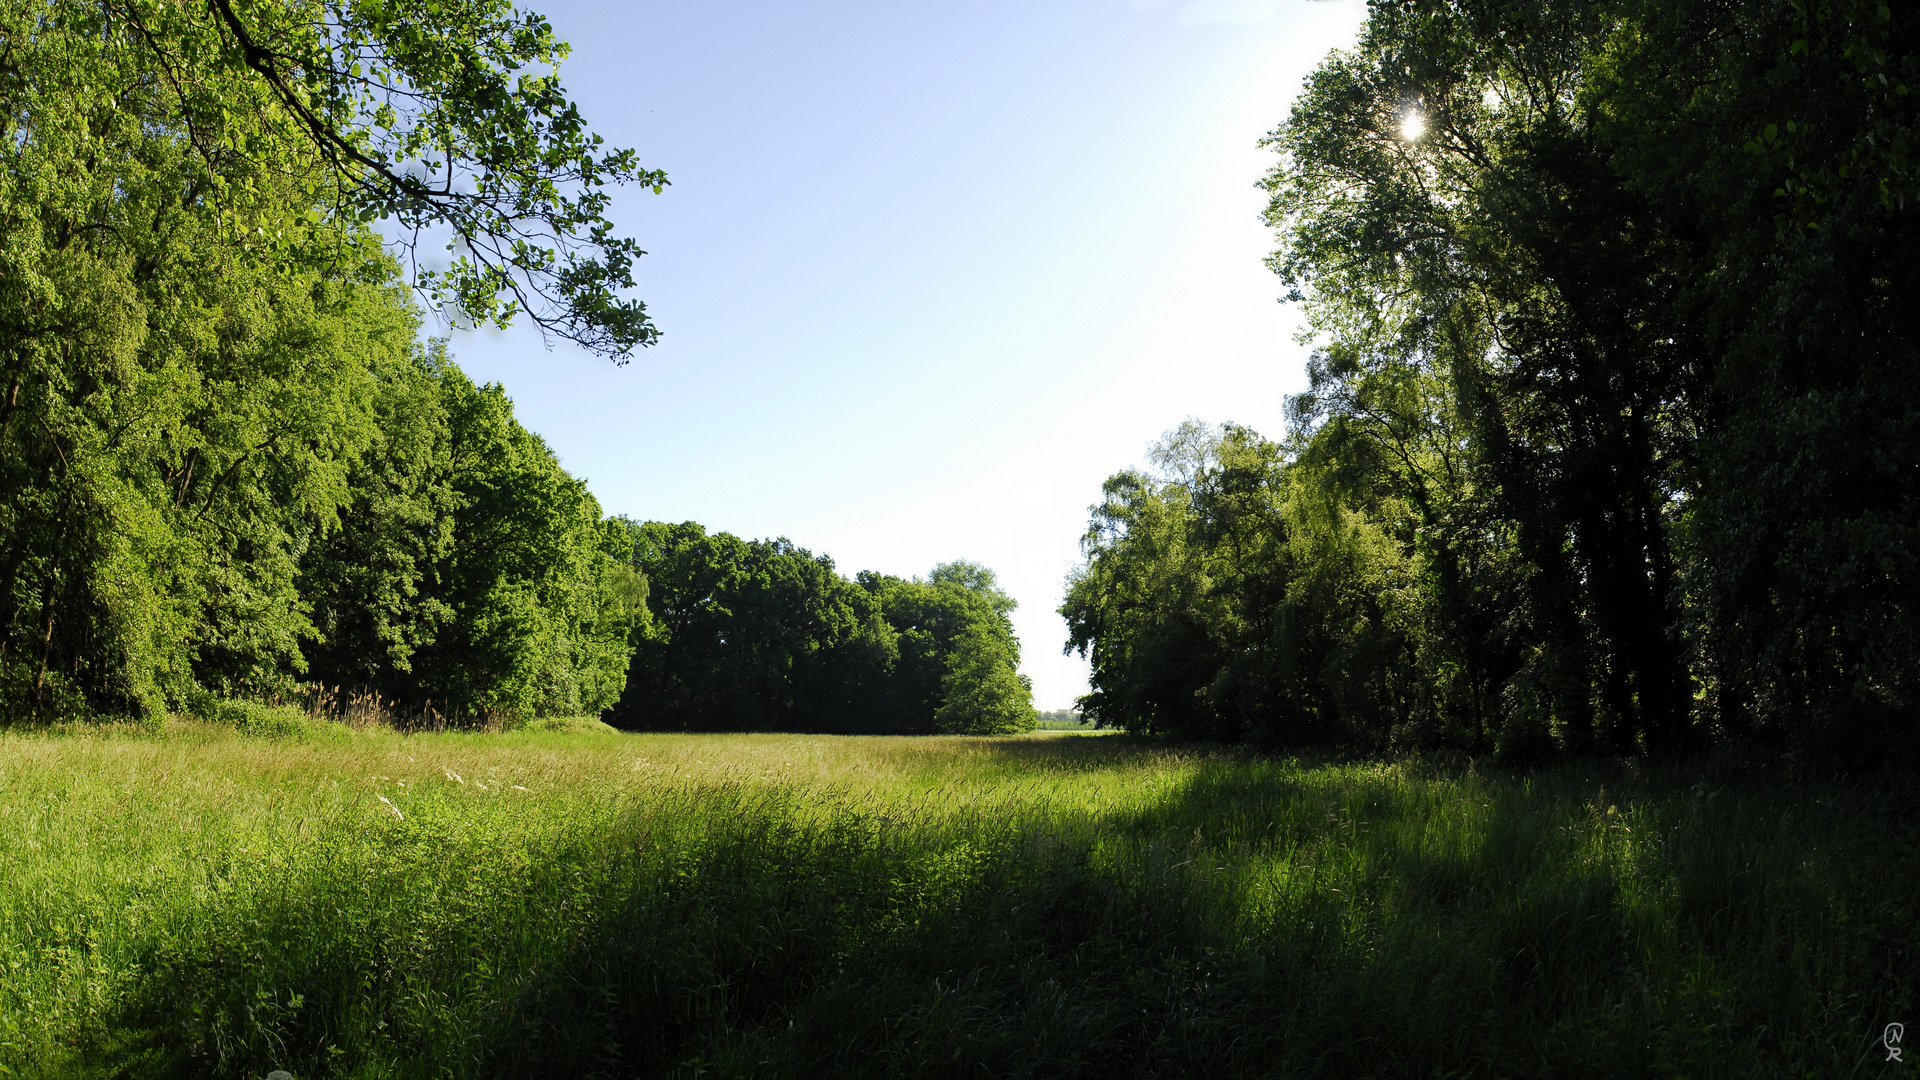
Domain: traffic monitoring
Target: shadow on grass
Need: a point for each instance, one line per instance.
(1261, 918)
(1275, 920)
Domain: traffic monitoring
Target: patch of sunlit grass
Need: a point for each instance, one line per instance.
(349, 902)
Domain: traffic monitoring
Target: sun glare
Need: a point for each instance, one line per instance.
(1413, 125)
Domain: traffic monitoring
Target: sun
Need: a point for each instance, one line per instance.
(1412, 125)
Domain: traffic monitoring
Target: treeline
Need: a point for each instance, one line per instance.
(228, 467)
(353, 512)
(1613, 434)
(762, 635)
(388, 528)
(230, 470)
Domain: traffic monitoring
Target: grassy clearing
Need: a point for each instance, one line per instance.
(582, 903)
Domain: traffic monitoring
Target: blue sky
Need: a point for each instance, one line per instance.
(928, 271)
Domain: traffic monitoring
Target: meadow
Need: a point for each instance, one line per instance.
(193, 900)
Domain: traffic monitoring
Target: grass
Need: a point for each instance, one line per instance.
(575, 902)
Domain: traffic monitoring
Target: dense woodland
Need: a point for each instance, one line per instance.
(1613, 435)
(1612, 443)
(230, 469)
(764, 636)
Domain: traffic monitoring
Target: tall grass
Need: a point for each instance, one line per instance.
(343, 902)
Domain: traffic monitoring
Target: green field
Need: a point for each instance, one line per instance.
(195, 902)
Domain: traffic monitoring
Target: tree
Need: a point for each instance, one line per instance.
(982, 691)
(1782, 135)
(1232, 594)
(472, 574)
(763, 635)
(534, 623)
(746, 636)
(1613, 412)
(370, 583)
(200, 334)
(433, 116)
(1500, 247)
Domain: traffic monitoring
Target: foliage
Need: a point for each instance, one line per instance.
(220, 441)
(253, 718)
(430, 116)
(982, 692)
(1502, 260)
(1061, 720)
(1610, 436)
(539, 904)
(1231, 595)
(765, 636)
(1795, 147)
(958, 671)
(473, 571)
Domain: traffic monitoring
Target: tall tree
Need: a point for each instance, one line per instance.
(1448, 199)
(200, 331)
(1783, 135)
(1613, 418)
(762, 635)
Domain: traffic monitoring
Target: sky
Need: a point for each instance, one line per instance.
(928, 271)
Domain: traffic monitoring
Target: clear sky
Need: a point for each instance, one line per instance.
(929, 270)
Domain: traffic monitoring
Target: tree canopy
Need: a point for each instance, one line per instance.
(1613, 425)
(437, 117)
(226, 461)
(762, 635)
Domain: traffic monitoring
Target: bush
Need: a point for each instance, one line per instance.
(254, 718)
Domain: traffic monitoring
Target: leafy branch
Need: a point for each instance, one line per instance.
(434, 115)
